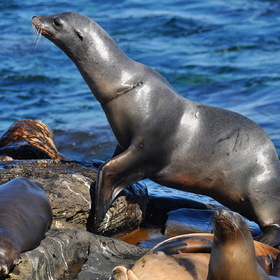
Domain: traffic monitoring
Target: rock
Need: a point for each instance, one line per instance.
(67, 184)
(114, 252)
(62, 253)
(159, 206)
(184, 221)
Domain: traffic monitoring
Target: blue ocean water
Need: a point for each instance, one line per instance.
(224, 53)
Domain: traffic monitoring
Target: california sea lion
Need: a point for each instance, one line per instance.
(25, 216)
(233, 251)
(166, 137)
(186, 257)
(183, 257)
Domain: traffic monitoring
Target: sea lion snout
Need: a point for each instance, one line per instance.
(4, 270)
(43, 27)
(227, 216)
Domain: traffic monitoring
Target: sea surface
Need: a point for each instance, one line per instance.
(224, 53)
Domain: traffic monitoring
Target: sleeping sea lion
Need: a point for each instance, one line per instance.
(25, 216)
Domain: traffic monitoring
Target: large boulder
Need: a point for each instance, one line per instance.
(67, 184)
(64, 253)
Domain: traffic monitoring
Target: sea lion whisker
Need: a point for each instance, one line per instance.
(37, 35)
(38, 38)
(238, 230)
(242, 234)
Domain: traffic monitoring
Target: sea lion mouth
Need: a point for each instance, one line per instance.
(223, 223)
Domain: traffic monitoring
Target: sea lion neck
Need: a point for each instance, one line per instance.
(103, 65)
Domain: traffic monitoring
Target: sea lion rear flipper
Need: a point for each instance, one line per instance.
(270, 236)
(186, 244)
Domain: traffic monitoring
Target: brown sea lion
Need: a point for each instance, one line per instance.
(185, 257)
(233, 251)
(28, 139)
(25, 216)
(165, 137)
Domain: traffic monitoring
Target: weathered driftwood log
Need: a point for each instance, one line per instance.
(28, 139)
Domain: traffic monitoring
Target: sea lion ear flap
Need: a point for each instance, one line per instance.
(80, 35)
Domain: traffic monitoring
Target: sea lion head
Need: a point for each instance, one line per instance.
(233, 252)
(69, 31)
(228, 226)
(90, 47)
(9, 252)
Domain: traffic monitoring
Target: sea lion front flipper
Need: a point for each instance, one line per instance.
(123, 273)
(114, 176)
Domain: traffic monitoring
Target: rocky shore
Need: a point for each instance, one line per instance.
(70, 250)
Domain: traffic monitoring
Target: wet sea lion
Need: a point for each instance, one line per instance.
(25, 216)
(28, 139)
(166, 137)
(185, 257)
(233, 251)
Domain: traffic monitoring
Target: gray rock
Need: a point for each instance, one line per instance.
(75, 254)
(159, 206)
(182, 221)
(67, 184)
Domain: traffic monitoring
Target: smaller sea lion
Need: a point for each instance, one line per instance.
(28, 139)
(25, 216)
(233, 251)
(184, 257)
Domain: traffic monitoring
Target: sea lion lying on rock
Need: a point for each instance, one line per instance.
(25, 216)
(186, 257)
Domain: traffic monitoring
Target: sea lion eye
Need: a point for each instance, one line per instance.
(57, 22)
(80, 35)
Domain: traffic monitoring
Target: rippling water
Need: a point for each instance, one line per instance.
(222, 53)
